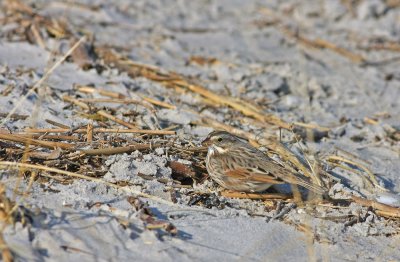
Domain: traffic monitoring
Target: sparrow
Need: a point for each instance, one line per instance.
(236, 165)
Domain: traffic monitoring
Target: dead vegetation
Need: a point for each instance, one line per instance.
(64, 153)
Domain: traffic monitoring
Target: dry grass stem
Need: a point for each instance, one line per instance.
(14, 116)
(116, 119)
(371, 176)
(315, 43)
(89, 133)
(370, 121)
(101, 130)
(100, 91)
(54, 123)
(390, 46)
(39, 39)
(312, 126)
(116, 98)
(55, 154)
(323, 44)
(233, 194)
(173, 80)
(76, 102)
(115, 101)
(383, 209)
(46, 136)
(119, 150)
(25, 140)
(158, 103)
(18, 6)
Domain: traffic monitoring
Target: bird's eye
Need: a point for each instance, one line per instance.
(219, 139)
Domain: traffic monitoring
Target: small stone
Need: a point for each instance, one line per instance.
(371, 9)
(238, 76)
(177, 116)
(159, 151)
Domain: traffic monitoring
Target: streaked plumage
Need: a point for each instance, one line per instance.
(236, 165)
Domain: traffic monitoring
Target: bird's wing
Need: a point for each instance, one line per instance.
(253, 175)
(264, 168)
(270, 166)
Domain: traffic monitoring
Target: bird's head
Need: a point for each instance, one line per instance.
(220, 141)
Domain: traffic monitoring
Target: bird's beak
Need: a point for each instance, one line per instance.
(206, 142)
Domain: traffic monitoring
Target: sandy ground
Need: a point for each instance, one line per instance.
(253, 50)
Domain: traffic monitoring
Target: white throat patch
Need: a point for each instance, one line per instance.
(215, 149)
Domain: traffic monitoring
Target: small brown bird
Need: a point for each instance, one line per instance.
(236, 165)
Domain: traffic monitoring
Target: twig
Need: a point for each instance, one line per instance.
(39, 39)
(74, 249)
(284, 211)
(54, 123)
(46, 136)
(92, 90)
(24, 140)
(118, 150)
(351, 155)
(383, 209)
(312, 126)
(89, 133)
(115, 119)
(101, 130)
(158, 103)
(76, 102)
(254, 196)
(321, 43)
(117, 97)
(370, 121)
(30, 152)
(316, 43)
(116, 101)
(14, 116)
(390, 46)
